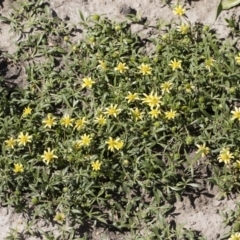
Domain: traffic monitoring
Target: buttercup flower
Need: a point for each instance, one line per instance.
(77, 144)
(179, 10)
(145, 69)
(237, 59)
(121, 67)
(174, 64)
(114, 144)
(66, 121)
(27, 111)
(87, 83)
(80, 123)
(48, 156)
(102, 65)
(203, 149)
(99, 111)
(170, 114)
(96, 165)
(59, 217)
(10, 143)
(24, 139)
(152, 100)
(113, 110)
(237, 165)
(166, 87)
(85, 140)
(225, 156)
(209, 63)
(18, 168)
(100, 120)
(189, 87)
(235, 236)
(49, 121)
(183, 29)
(154, 113)
(118, 144)
(136, 114)
(236, 113)
(111, 144)
(132, 97)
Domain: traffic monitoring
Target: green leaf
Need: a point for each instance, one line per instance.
(76, 211)
(40, 39)
(81, 15)
(206, 114)
(219, 9)
(101, 219)
(176, 188)
(194, 185)
(227, 4)
(3, 150)
(4, 19)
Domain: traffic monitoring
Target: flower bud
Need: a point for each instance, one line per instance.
(125, 162)
(66, 38)
(118, 27)
(96, 17)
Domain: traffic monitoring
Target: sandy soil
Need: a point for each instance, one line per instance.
(199, 211)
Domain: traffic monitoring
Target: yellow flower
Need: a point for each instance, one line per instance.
(154, 113)
(18, 167)
(236, 114)
(237, 58)
(209, 63)
(237, 164)
(183, 29)
(225, 156)
(10, 142)
(48, 156)
(118, 144)
(114, 144)
(85, 140)
(96, 165)
(27, 111)
(152, 100)
(66, 121)
(132, 97)
(87, 83)
(59, 217)
(80, 123)
(235, 236)
(77, 144)
(49, 121)
(203, 149)
(174, 64)
(112, 110)
(136, 114)
(121, 67)
(179, 10)
(99, 111)
(189, 87)
(166, 87)
(111, 144)
(24, 139)
(101, 120)
(145, 69)
(170, 114)
(102, 65)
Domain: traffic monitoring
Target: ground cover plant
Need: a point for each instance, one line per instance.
(104, 132)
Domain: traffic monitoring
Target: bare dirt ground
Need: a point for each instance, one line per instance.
(198, 211)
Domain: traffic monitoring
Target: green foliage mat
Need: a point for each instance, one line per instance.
(102, 131)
